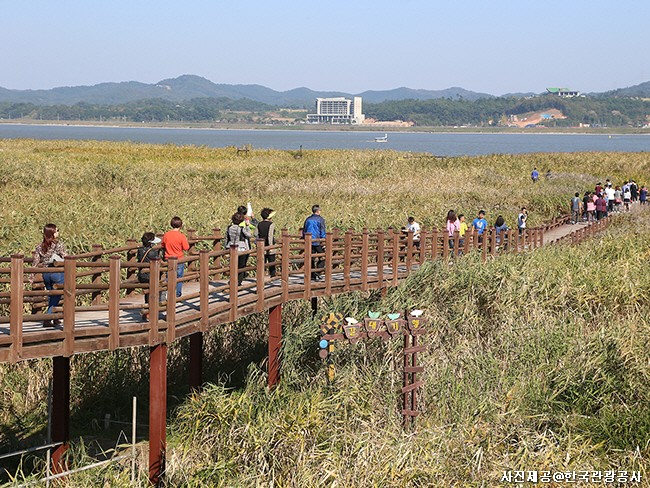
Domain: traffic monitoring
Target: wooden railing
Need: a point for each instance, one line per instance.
(101, 309)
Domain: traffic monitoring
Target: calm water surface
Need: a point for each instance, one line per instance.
(435, 143)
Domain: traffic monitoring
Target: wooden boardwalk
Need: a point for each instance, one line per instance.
(101, 308)
(96, 315)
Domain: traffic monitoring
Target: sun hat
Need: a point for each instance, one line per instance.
(155, 240)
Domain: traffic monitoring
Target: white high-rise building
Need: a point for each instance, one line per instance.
(339, 110)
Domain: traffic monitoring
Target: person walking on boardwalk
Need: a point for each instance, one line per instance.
(414, 227)
(500, 227)
(610, 194)
(462, 229)
(480, 224)
(601, 207)
(238, 234)
(643, 195)
(575, 208)
(534, 175)
(634, 190)
(145, 254)
(266, 230)
(521, 220)
(175, 244)
(618, 198)
(453, 225)
(627, 197)
(315, 225)
(49, 252)
(590, 205)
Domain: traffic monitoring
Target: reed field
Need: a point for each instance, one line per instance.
(538, 361)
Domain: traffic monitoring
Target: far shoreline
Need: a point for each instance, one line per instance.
(326, 128)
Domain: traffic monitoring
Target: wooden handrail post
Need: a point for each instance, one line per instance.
(365, 242)
(508, 240)
(423, 246)
(114, 302)
(466, 239)
(97, 277)
(170, 316)
(191, 235)
(434, 244)
(395, 244)
(307, 265)
(260, 271)
(541, 238)
(409, 251)
(16, 307)
(154, 300)
(131, 257)
(329, 261)
(284, 263)
(347, 259)
(380, 258)
(216, 243)
(493, 242)
(516, 248)
(445, 246)
(69, 303)
(233, 294)
(456, 243)
(204, 288)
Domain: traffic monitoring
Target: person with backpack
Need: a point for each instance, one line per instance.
(575, 208)
(145, 254)
(238, 234)
(315, 225)
(266, 231)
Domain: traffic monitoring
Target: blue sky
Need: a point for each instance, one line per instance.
(496, 46)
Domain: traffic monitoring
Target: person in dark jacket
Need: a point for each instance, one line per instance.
(145, 254)
(601, 207)
(315, 225)
(266, 231)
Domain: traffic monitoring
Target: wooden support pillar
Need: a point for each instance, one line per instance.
(60, 411)
(275, 340)
(157, 413)
(196, 361)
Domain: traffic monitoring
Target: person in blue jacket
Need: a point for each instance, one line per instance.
(534, 175)
(315, 225)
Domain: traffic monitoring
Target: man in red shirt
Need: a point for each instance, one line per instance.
(175, 243)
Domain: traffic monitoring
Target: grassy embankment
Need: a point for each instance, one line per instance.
(536, 361)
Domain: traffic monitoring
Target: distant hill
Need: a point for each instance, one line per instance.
(404, 93)
(187, 87)
(641, 90)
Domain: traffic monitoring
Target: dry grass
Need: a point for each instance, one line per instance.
(535, 361)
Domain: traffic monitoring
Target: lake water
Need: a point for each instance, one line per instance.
(441, 144)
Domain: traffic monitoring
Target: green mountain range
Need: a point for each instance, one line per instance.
(187, 87)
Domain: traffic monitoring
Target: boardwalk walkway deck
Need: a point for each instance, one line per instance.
(353, 261)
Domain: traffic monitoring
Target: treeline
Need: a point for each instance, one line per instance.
(613, 112)
(599, 111)
(150, 110)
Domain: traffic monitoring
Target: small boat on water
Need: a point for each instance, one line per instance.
(383, 138)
